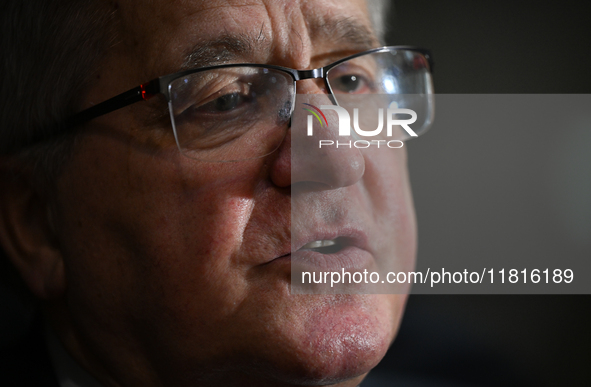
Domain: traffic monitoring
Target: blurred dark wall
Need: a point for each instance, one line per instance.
(500, 46)
(469, 202)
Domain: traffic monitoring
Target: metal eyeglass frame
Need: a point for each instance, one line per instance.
(161, 85)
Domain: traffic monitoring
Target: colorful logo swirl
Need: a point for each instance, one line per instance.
(316, 114)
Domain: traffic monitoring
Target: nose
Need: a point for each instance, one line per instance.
(316, 156)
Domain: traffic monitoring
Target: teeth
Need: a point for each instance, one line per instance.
(318, 244)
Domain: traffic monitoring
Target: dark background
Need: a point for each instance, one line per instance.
(529, 197)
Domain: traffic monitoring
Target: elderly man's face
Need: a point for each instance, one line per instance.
(170, 263)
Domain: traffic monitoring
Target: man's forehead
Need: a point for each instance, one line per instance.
(231, 47)
(172, 35)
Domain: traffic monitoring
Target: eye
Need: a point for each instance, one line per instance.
(224, 103)
(226, 109)
(348, 83)
(354, 76)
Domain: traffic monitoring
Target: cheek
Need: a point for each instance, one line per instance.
(388, 189)
(145, 234)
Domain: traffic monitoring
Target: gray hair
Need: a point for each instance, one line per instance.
(378, 12)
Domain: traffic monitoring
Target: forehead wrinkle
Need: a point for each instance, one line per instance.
(344, 30)
(228, 48)
(180, 19)
(291, 41)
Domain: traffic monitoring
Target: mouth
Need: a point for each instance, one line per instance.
(325, 246)
(321, 246)
(330, 242)
(349, 250)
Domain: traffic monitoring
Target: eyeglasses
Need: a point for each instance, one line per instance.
(236, 112)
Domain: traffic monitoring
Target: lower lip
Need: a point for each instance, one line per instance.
(350, 258)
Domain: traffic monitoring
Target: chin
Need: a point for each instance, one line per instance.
(342, 339)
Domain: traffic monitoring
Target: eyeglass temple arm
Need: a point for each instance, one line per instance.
(140, 93)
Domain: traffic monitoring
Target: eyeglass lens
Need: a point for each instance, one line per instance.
(233, 113)
(396, 78)
(239, 113)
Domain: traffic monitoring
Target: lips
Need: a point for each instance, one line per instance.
(347, 258)
(326, 243)
(332, 240)
(336, 250)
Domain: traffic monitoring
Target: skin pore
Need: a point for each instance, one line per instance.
(165, 273)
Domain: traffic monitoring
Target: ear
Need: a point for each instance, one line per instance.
(27, 235)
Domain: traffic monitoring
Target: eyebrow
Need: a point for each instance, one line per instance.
(346, 30)
(231, 47)
(225, 49)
